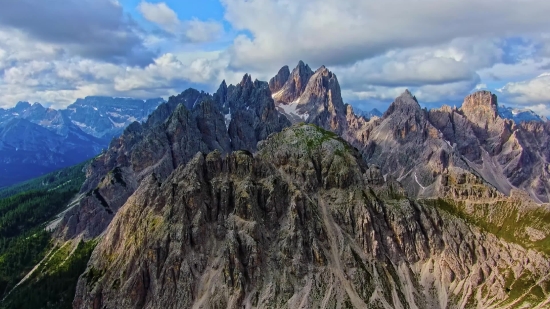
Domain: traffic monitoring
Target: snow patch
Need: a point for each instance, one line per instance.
(81, 125)
(416, 179)
(292, 109)
(228, 119)
(117, 124)
(114, 114)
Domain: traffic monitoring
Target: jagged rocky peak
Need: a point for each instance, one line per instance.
(480, 107)
(295, 84)
(247, 80)
(406, 103)
(279, 80)
(324, 85)
(189, 98)
(220, 97)
(20, 106)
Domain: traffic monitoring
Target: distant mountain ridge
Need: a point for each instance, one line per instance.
(35, 139)
(100, 116)
(519, 115)
(106, 117)
(369, 114)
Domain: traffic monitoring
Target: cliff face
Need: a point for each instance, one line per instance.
(506, 154)
(302, 223)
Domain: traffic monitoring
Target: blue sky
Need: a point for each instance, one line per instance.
(55, 52)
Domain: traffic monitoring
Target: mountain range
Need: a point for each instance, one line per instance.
(35, 140)
(278, 195)
(519, 114)
(372, 113)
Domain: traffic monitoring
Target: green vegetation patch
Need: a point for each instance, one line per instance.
(25, 209)
(505, 219)
(53, 285)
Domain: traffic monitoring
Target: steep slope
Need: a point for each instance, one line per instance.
(303, 223)
(287, 88)
(187, 123)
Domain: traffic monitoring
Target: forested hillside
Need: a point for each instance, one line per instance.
(25, 209)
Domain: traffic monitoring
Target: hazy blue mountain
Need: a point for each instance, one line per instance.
(35, 140)
(29, 150)
(106, 117)
(369, 114)
(519, 115)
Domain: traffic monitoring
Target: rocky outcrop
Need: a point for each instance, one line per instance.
(138, 153)
(407, 146)
(294, 85)
(319, 100)
(252, 114)
(279, 80)
(505, 154)
(303, 223)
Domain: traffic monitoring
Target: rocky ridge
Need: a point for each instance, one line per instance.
(423, 149)
(190, 122)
